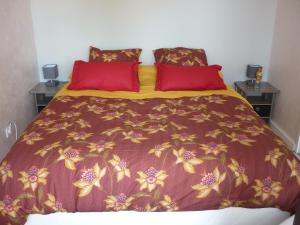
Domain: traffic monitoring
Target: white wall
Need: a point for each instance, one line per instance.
(285, 70)
(233, 32)
(18, 68)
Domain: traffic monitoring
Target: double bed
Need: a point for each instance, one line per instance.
(152, 151)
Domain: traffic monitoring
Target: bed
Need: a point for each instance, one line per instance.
(95, 151)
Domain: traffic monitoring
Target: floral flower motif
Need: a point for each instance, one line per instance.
(172, 58)
(213, 148)
(79, 105)
(59, 126)
(151, 178)
(133, 136)
(36, 210)
(175, 102)
(147, 208)
(99, 100)
(110, 132)
(200, 118)
(64, 99)
(129, 52)
(188, 63)
(254, 130)
(241, 138)
(197, 107)
(109, 57)
(188, 159)
(215, 99)
(49, 112)
(160, 107)
(47, 148)
(199, 61)
(9, 206)
(154, 128)
(184, 52)
(101, 146)
(76, 136)
(96, 109)
(209, 182)
(89, 178)
(178, 112)
(132, 113)
(239, 173)
(32, 137)
(295, 168)
(214, 133)
(184, 137)
(117, 106)
(5, 171)
(68, 115)
(241, 107)
(273, 156)
(94, 54)
(178, 126)
(219, 114)
(280, 142)
(158, 149)
(71, 156)
(267, 127)
(157, 116)
(226, 203)
(267, 188)
(117, 203)
(245, 117)
(53, 204)
(120, 167)
(229, 124)
(83, 123)
(168, 204)
(44, 122)
(33, 177)
(112, 115)
(135, 123)
(139, 101)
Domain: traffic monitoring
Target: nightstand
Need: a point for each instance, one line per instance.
(262, 98)
(43, 94)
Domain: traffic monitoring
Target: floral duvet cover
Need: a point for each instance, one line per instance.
(192, 153)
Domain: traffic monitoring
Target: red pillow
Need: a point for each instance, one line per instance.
(113, 76)
(170, 77)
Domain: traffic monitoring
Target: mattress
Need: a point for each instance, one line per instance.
(229, 216)
(147, 151)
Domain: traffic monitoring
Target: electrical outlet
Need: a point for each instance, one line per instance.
(7, 130)
(298, 146)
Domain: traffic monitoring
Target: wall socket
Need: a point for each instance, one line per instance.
(298, 146)
(8, 130)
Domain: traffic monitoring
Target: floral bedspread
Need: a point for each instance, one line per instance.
(191, 153)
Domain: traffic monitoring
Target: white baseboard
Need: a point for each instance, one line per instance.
(286, 138)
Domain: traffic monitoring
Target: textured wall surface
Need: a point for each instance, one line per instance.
(18, 67)
(285, 67)
(233, 32)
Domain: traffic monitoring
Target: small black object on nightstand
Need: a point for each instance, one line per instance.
(262, 98)
(44, 94)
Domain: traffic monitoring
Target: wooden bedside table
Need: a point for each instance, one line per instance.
(262, 98)
(43, 94)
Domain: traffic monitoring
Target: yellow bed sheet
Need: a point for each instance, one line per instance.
(147, 75)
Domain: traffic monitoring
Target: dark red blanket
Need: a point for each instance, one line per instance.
(192, 153)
